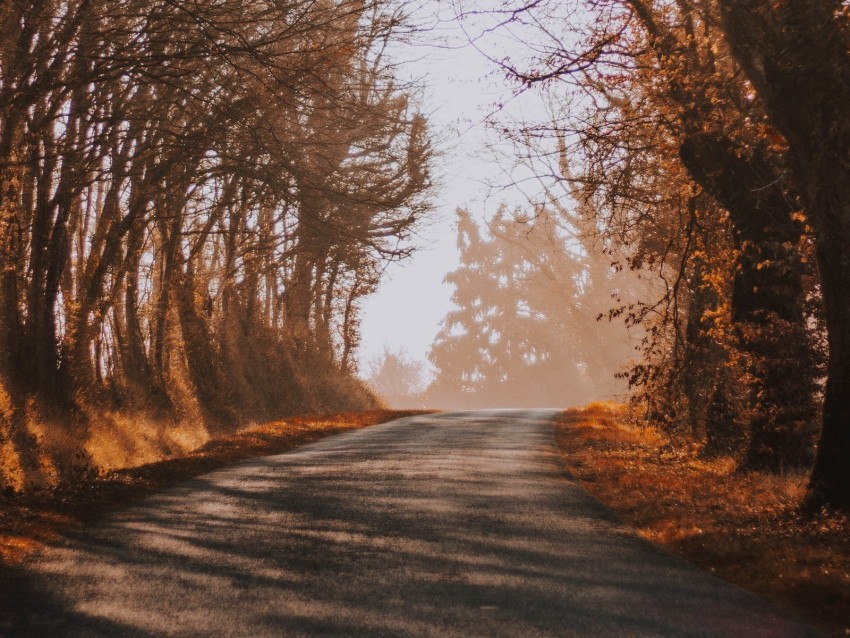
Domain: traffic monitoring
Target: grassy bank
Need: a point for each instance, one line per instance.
(743, 527)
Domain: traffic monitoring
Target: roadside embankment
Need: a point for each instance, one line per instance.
(744, 527)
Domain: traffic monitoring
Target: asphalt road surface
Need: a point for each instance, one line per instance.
(461, 524)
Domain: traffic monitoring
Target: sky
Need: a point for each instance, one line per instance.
(461, 87)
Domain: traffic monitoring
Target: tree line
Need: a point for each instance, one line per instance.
(530, 292)
(523, 331)
(194, 198)
(708, 139)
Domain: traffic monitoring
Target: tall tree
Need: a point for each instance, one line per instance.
(654, 96)
(795, 53)
(523, 331)
(194, 199)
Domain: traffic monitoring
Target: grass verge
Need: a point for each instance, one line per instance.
(30, 521)
(743, 527)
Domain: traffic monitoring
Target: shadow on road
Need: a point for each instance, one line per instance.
(438, 526)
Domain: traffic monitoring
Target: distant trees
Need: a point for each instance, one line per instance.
(524, 329)
(397, 378)
(194, 197)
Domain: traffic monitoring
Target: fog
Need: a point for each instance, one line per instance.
(537, 320)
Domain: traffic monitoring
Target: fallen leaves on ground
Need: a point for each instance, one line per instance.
(744, 527)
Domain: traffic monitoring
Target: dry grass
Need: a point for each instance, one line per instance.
(118, 440)
(32, 520)
(743, 527)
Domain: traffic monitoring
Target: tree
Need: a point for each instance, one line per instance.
(523, 331)
(396, 377)
(795, 53)
(658, 101)
(193, 202)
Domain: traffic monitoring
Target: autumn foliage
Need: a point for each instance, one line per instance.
(746, 529)
(194, 198)
(703, 139)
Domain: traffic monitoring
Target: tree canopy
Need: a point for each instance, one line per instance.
(676, 127)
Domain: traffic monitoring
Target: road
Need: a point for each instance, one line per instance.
(462, 524)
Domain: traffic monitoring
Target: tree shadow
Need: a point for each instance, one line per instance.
(383, 534)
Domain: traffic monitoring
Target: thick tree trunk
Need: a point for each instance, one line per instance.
(767, 299)
(202, 356)
(170, 238)
(11, 326)
(135, 365)
(796, 56)
(830, 480)
(44, 376)
(301, 290)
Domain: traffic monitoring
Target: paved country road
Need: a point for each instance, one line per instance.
(461, 524)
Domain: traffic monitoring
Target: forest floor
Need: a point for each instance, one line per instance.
(30, 521)
(743, 527)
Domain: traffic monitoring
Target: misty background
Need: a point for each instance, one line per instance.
(483, 176)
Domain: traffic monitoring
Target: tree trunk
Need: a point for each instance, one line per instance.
(301, 290)
(795, 54)
(170, 241)
(830, 480)
(202, 356)
(11, 327)
(135, 362)
(767, 299)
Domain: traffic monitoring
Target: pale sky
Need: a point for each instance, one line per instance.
(461, 89)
